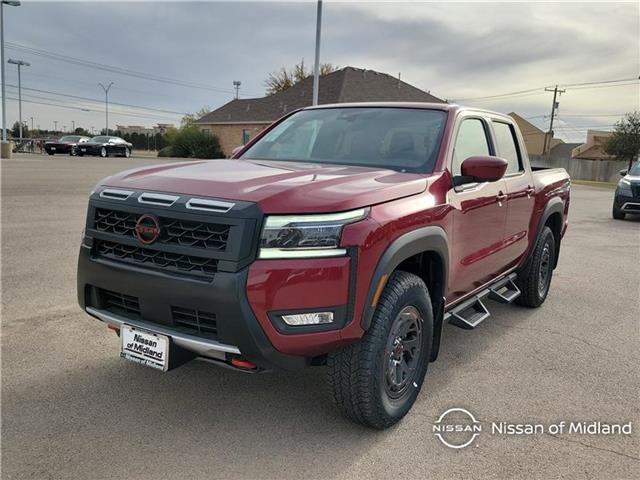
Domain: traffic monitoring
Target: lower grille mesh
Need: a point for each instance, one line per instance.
(196, 322)
(120, 302)
(187, 264)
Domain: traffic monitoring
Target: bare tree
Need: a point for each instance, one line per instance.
(282, 79)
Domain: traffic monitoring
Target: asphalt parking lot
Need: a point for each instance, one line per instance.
(72, 409)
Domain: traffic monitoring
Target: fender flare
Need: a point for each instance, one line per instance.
(426, 239)
(554, 205)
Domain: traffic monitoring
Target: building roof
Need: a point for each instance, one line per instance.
(348, 84)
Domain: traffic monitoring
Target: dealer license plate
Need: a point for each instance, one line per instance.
(83, 149)
(144, 347)
(53, 148)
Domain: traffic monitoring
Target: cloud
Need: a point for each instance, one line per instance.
(454, 50)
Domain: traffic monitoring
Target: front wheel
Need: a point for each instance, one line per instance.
(376, 381)
(617, 213)
(103, 152)
(535, 278)
(127, 153)
(73, 152)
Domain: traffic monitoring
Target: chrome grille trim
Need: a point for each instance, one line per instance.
(209, 205)
(158, 199)
(115, 194)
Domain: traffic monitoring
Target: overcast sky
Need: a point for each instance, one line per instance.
(457, 51)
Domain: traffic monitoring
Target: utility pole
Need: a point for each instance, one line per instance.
(11, 3)
(55, 126)
(554, 106)
(236, 85)
(106, 104)
(20, 64)
(316, 67)
(73, 122)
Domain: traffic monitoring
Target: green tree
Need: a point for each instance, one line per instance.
(190, 118)
(190, 142)
(624, 144)
(282, 79)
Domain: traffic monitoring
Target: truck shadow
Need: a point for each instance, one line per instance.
(236, 424)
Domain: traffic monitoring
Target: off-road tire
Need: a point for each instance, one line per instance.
(617, 213)
(529, 278)
(357, 373)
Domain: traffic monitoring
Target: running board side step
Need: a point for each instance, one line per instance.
(473, 312)
(505, 290)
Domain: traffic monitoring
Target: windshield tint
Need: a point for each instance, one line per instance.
(635, 169)
(101, 139)
(397, 138)
(70, 138)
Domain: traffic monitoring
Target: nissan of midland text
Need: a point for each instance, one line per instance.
(342, 235)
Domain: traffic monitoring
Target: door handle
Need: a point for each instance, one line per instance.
(501, 197)
(530, 190)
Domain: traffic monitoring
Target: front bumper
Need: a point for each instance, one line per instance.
(627, 203)
(239, 332)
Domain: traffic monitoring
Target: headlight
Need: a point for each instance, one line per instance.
(304, 236)
(624, 186)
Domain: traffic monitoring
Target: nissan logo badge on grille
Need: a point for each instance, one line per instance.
(147, 229)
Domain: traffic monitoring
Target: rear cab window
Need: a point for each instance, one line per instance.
(507, 146)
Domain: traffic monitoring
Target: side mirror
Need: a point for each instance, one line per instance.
(484, 168)
(236, 150)
(623, 172)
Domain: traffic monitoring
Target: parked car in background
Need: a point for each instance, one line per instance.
(67, 144)
(627, 196)
(104, 145)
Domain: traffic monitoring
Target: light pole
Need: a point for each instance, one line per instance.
(20, 64)
(236, 85)
(106, 104)
(55, 126)
(73, 122)
(12, 3)
(316, 67)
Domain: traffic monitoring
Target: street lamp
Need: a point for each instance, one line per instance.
(11, 3)
(20, 64)
(106, 104)
(316, 67)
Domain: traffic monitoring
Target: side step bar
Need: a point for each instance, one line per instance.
(473, 312)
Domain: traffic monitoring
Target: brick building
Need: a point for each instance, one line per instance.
(236, 122)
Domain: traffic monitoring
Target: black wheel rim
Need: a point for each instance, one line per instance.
(402, 352)
(545, 270)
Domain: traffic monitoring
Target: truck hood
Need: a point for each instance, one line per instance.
(279, 187)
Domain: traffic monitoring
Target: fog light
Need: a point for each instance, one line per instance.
(315, 318)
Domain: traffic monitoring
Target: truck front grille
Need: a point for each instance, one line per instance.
(119, 303)
(186, 233)
(195, 322)
(149, 257)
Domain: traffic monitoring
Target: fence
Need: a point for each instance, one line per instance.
(594, 170)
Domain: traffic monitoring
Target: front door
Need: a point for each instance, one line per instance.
(479, 216)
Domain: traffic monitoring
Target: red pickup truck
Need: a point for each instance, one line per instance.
(343, 235)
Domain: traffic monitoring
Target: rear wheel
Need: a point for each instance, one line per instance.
(535, 277)
(73, 152)
(376, 381)
(617, 213)
(103, 152)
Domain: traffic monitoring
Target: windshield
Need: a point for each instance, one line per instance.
(70, 138)
(635, 169)
(402, 139)
(101, 139)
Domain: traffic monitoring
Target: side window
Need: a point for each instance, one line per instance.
(507, 147)
(471, 140)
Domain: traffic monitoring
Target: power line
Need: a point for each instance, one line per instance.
(86, 109)
(572, 85)
(111, 68)
(99, 101)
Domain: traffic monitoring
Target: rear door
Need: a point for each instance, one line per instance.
(479, 215)
(520, 190)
